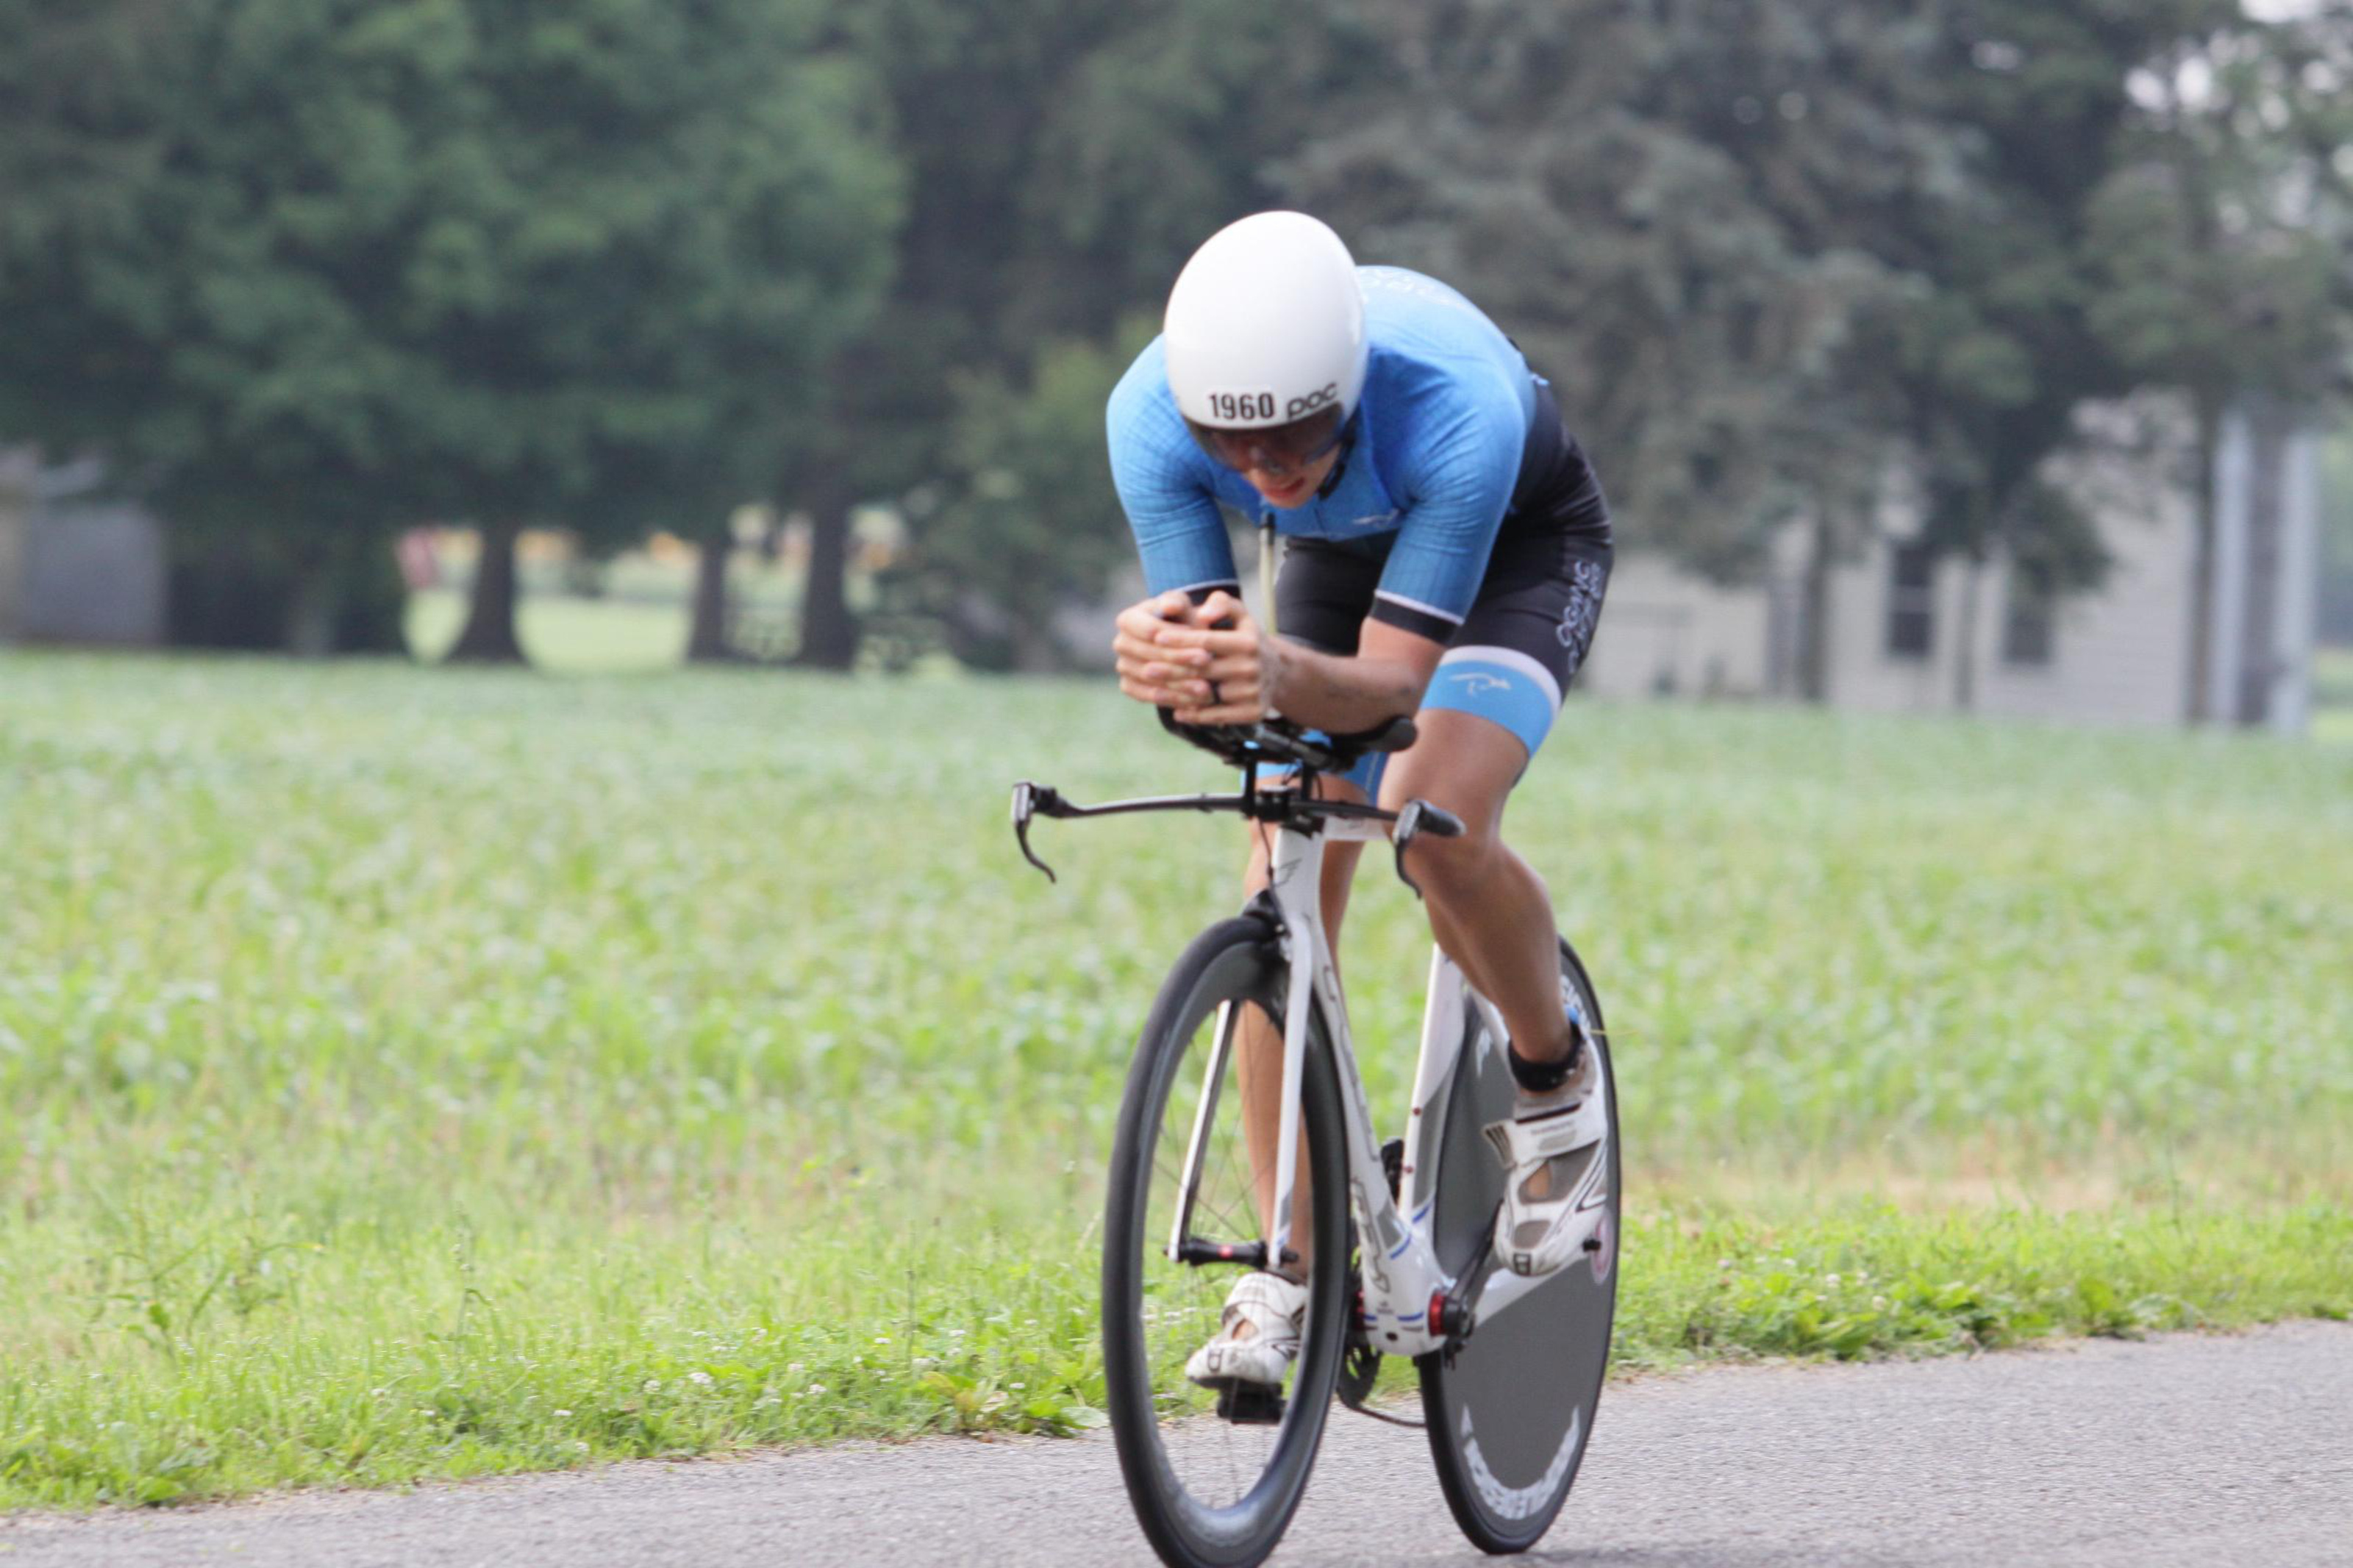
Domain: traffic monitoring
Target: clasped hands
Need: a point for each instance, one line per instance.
(1209, 661)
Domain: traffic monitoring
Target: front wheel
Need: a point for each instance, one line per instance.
(1510, 1412)
(1215, 1475)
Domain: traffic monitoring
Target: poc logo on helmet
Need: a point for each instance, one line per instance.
(1309, 402)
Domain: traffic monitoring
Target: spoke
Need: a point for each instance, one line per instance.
(1219, 1212)
(1228, 1173)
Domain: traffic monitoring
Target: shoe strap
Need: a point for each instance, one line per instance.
(1520, 1139)
(1267, 1301)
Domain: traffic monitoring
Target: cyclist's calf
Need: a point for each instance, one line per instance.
(1488, 908)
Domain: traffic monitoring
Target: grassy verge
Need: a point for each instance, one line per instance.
(377, 1357)
(414, 1073)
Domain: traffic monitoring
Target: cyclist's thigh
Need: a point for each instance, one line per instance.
(1461, 762)
(1322, 594)
(1523, 639)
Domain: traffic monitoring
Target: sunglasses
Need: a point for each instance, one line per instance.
(1279, 451)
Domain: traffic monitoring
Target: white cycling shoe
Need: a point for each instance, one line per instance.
(1556, 1155)
(1257, 1334)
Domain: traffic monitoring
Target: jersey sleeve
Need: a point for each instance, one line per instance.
(1180, 534)
(1460, 487)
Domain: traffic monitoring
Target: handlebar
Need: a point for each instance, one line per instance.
(1246, 746)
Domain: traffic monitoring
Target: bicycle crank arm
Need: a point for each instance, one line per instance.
(1481, 1293)
(1455, 1312)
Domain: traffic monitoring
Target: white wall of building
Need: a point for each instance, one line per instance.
(1666, 632)
(2117, 655)
(75, 565)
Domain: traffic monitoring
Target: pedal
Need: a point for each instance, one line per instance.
(1249, 1404)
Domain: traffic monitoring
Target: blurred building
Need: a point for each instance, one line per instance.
(75, 564)
(1909, 632)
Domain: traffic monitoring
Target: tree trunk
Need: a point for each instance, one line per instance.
(2202, 562)
(828, 630)
(706, 643)
(1965, 647)
(489, 634)
(1814, 612)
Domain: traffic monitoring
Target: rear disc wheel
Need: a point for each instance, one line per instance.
(1510, 1412)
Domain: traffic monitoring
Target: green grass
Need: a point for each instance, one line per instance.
(561, 634)
(423, 1072)
(2332, 696)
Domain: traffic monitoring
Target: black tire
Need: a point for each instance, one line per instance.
(1211, 1493)
(1509, 1419)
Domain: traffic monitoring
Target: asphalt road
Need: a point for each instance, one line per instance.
(2184, 1450)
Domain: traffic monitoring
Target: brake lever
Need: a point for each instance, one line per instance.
(1419, 817)
(1028, 799)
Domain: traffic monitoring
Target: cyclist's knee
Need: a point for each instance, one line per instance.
(1452, 867)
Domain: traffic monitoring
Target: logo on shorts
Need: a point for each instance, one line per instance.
(1577, 620)
(1477, 685)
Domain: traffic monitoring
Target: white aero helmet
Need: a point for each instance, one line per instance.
(1265, 340)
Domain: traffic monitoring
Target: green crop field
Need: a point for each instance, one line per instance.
(420, 1072)
(2332, 693)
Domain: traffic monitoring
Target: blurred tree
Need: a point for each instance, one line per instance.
(371, 260)
(77, 145)
(1671, 206)
(1064, 159)
(1762, 244)
(1992, 366)
(968, 88)
(1030, 523)
(2225, 239)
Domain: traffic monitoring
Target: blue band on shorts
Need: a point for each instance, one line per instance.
(1500, 685)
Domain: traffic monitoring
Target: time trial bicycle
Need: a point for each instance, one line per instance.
(1510, 1365)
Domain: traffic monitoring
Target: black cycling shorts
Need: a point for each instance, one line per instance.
(1514, 656)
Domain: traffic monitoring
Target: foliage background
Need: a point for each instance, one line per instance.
(306, 274)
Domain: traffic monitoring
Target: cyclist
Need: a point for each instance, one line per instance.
(1447, 547)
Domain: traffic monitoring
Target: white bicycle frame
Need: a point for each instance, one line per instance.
(1401, 1267)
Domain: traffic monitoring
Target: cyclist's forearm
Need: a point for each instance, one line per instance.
(1344, 694)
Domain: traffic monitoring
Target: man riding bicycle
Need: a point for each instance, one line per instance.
(1446, 550)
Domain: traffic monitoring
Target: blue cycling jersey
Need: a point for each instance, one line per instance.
(1438, 440)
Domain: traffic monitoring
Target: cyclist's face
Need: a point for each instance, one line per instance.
(1286, 464)
(1289, 486)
